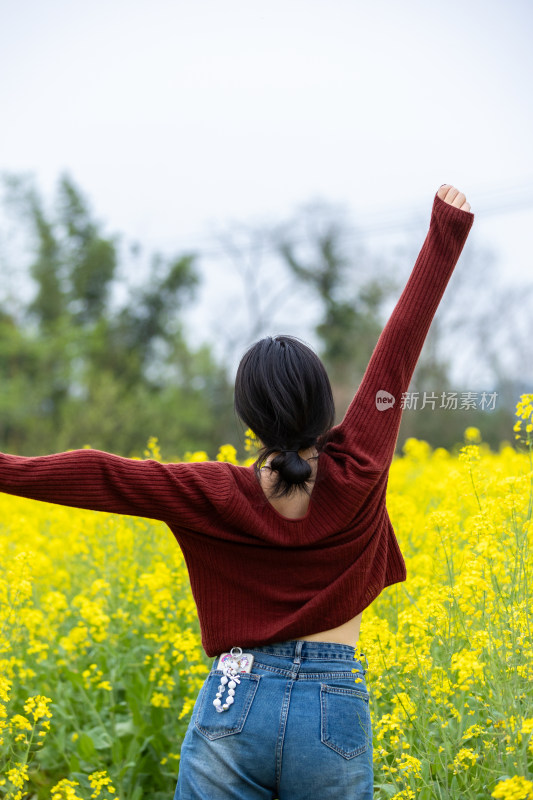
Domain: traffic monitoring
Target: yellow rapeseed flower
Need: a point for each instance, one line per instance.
(38, 707)
(18, 775)
(515, 788)
(100, 781)
(251, 442)
(160, 700)
(465, 758)
(21, 723)
(409, 765)
(153, 450)
(197, 455)
(65, 790)
(5, 687)
(228, 454)
(472, 434)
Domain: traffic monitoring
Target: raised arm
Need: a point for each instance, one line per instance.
(370, 427)
(101, 481)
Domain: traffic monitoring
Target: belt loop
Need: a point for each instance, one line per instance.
(298, 651)
(297, 659)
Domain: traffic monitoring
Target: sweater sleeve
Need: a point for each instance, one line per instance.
(369, 430)
(100, 481)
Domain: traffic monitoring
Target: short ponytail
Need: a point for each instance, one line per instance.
(292, 468)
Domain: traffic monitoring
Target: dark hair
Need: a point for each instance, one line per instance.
(283, 394)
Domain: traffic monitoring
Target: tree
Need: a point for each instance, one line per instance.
(81, 369)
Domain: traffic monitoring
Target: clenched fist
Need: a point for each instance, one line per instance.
(453, 196)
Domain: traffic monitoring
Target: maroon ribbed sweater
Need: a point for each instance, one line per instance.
(256, 576)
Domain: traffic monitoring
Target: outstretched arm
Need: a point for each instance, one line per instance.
(102, 481)
(370, 427)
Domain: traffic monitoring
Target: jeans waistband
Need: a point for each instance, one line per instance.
(302, 649)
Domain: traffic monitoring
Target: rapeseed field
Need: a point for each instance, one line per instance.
(101, 661)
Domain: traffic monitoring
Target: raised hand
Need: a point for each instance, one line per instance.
(453, 196)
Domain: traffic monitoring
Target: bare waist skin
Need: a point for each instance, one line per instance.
(347, 633)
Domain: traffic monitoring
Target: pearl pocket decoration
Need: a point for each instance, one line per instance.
(231, 664)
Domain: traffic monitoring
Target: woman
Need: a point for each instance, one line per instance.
(283, 557)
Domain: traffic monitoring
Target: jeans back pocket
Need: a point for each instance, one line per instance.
(214, 724)
(345, 720)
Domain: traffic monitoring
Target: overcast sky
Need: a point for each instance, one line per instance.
(176, 118)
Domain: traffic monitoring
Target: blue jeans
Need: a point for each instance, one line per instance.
(299, 728)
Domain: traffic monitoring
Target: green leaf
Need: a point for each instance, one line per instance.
(101, 738)
(86, 747)
(125, 727)
(387, 788)
(117, 751)
(74, 763)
